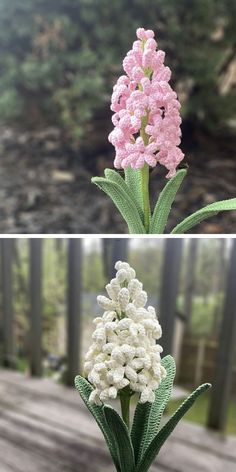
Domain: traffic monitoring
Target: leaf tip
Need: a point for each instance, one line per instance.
(98, 181)
(77, 380)
(108, 172)
(204, 387)
(182, 171)
(208, 385)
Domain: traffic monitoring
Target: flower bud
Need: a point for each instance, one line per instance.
(112, 392)
(141, 300)
(123, 298)
(134, 287)
(121, 275)
(111, 292)
(105, 302)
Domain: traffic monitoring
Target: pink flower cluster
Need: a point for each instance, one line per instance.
(146, 119)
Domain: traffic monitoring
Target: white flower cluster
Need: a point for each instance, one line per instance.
(124, 351)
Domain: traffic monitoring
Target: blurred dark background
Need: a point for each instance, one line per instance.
(48, 296)
(58, 63)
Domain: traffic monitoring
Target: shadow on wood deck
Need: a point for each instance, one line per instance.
(44, 427)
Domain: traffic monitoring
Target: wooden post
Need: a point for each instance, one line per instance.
(169, 291)
(119, 253)
(74, 309)
(225, 357)
(190, 280)
(199, 362)
(106, 256)
(219, 287)
(7, 307)
(188, 300)
(113, 251)
(35, 335)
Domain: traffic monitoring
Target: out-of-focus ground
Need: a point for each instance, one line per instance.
(45, 427)
(46, 188)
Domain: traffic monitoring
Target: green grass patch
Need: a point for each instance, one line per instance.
(199, 411)
(22, 364)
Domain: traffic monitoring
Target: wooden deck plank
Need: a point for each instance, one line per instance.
(179, 457)
(49, 448)
(45, 427)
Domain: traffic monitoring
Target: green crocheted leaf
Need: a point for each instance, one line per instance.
(121, 437)
(164, 203)
(147, 416)
(139, 425)
(133, 178)
(162, 396)
(167, 429)
(200, 215)
(84, 388)
(123, 202)
(114, 176)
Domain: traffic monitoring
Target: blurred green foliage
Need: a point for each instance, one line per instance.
(59, 60)
(94, 279)
(148, 261)
(203, 313)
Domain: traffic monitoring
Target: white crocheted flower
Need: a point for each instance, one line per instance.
(124, 350)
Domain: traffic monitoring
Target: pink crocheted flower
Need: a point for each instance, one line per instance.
(146, 110)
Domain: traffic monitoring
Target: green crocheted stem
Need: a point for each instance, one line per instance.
(145, 194)
(125, 406)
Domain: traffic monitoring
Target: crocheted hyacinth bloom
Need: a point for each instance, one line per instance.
(146, 119)
(124, 352)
